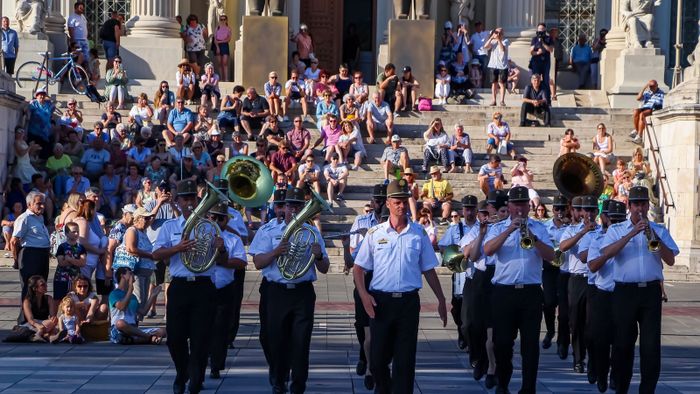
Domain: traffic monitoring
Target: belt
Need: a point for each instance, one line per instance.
(518, 286)
(395, 294)
(290, 286)
(638, 284)
(202, 278)
(580, 275)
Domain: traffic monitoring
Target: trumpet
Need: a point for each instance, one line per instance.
(653, 244)
(345, 234)
(526, 240)
(558, 260)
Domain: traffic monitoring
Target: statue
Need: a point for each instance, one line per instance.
(30, 16)
(216, 9)
(462, 11)
(694, 60)
(402, 8)
(638, 21)
(256, 7)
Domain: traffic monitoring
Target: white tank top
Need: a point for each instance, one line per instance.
(602, 145)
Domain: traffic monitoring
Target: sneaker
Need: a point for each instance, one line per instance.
(637, 139)
(285, 118)
(396, 115)
(340, 197)
(444, 222)
(633, 133)
(280, 118)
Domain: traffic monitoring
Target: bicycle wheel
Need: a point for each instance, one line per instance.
(29, 73)
(79, 79)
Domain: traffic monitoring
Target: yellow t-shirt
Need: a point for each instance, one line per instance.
(437, 189)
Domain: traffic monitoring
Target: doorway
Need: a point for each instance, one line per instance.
(358, 37)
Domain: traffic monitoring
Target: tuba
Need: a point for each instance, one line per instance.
(249, 181)
(203, 255)
(453, 259)
(577, 175)
(299, 259)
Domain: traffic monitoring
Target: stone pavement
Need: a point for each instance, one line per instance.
(441, 367)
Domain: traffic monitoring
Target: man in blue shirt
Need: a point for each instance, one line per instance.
(652, 99)
(540, 50)
(10, 45)
(581, 55)
(94, 159)
(180, 122)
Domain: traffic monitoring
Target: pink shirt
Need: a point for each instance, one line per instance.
(304, 45)
(331, 136)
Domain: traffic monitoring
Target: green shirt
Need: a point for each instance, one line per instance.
(390, 90)
(56, 165)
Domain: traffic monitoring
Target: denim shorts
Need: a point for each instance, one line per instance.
(111, 50)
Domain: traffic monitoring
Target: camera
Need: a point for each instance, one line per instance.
(541, 35)
(164, 186)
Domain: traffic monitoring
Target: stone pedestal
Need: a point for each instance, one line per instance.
(634, 68)
(261, 49)
(409, 42)
(678, 131)
(11, 106)
(29, 48)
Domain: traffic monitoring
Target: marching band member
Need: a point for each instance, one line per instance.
(639, 247)
(191, 296)
(550, 273)
(517, 292)
(365, 222)
(482, 349)
(578, 280)
(564, 334)
(224, 279)
(452, 236)
(290, 303)
(392, 302)
(602, 328)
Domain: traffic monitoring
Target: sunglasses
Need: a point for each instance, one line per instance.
(274, 77)
(297, 120)
(117, 61)
(81, 287)
(454, 216)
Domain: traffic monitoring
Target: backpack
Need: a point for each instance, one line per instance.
(93, 95)
(425, 104)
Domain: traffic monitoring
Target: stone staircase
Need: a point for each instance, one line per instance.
(539, 144)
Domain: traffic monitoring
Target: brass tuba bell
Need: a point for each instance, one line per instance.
(453, 259)
(249, 181)
(577, 175)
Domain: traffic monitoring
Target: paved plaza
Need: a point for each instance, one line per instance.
(441, 367)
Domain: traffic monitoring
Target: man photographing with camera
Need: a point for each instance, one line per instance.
(540, 50)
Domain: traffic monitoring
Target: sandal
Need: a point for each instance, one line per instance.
(156, 340)
(126, 340)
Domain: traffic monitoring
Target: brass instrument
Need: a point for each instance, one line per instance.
(453, 259)
(203, 255)
(299, 259)
(577, 175)
(558, 260)
(526, 240)
(345, 234)
(653, 244)
(249, 181)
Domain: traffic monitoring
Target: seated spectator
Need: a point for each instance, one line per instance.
(273, 95)
(342, 80)
(443, 81)
(325, 85)
(523, 176)
(437, 144)
(164, 101)
(409, 90)
(623, 189)
(43, 186)
(426, 220)
(187, 171)
(109, 185)
(460, 153)
(394, 157)
(70, 255)
(185, 80)
(603, 147)
(98, 132)
(202, 160)
(325, 107)
(336, 176)
(437, 194)
(535, 101)
(214, 173)
(309, 173)
(110, 119)
(124, 311)
(94, 66)
(272, 132)
(121, 135)
(15, 193)
(209, 85)
(141, 114)
(389, 88)
(87, 304)
(69, 328)
(476, 77)
(312, 75)
(72, 117)
(155, 174)
(330, 136)
(116, 81)
(499, 137)
(179, 150)
(94, 159)
(349, 111)
(230, 111)
(414, 190)
(491, 175)
(214, 145)
(460, 85)
(294, 91)
(299, 140)
(39, 310)
(296, 65)
(580, 59)
(513, 77)
(202, 124)
(131, 184)
(8, 223)
(180, 122)
(162, 153)
(351, 145)
(139, 154)
(23, 152)
(117, 156)
(359, 90)
(379, 116)
(240, 147)
(568, 143)
(283, 162)
(652, 99)
(260, 153)
(642, 175)
(254, 111)
(619, 172)
(74, 147)
(57, 167)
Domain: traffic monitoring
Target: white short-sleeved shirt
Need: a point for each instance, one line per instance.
(170, 235)
(367, 221)
(293, 86)
(483, 260)
(635, 263)
(584, 245)
(576, 266)
(515, 265)
(334, 173)
(270, 88)
(314, 169)
(31, 231)
(555, 234)
(79, 25)
(222, 275)
(267, 238)
(434, 140)
(499, 57)
(397, 259)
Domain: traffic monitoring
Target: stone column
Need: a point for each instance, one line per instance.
(615, 44)
(519, 19)
(55, 26)
(153, 19)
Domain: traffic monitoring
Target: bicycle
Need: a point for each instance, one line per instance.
(35, 72)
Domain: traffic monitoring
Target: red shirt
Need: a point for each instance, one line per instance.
(283, 161)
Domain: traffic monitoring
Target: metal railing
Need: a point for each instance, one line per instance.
(655, 157)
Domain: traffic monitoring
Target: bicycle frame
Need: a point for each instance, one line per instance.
(58, 74)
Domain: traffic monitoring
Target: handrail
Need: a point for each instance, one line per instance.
(661, 179)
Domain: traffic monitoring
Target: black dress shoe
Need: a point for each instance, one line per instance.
(361, 368)
(461, 343)
(369, 382)
(578, 368)
(178, 388)
(502, 390)
(612, 385)
(479, 372)
(490, 381)
(563, 351)
(592, 378)
(547, 341)
(214, 374)
(602, 386)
